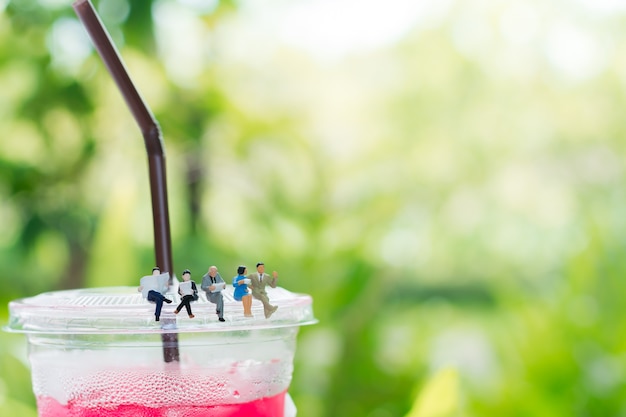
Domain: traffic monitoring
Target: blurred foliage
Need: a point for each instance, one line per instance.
(451, 193)
(440, 398)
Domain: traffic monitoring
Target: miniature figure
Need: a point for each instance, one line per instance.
(241, 282)
(189, 292)
(212, 285)
(259, 280)
(152, 288)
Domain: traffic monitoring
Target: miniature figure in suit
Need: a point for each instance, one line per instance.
(258, 281)
(188, 292)
(240, 282)
(152, 287)
(214, 292)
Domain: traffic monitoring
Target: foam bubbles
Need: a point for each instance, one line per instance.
(89, 381)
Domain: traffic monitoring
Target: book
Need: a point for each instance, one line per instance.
(219, 286)
(158, 283)
(185, 288)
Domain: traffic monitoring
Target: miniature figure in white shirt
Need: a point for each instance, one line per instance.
(153, 287)
(189, 292)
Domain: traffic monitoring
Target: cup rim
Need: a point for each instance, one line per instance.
(123, 310)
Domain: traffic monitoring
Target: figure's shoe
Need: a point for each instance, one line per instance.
(191, 316)
(156, 318)
(271, 311)
(167, 300)
(176, 311)
(221, 319)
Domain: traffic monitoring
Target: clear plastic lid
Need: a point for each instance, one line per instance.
(123, 310)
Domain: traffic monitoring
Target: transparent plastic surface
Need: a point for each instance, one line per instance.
(99, 352)
(122, 309)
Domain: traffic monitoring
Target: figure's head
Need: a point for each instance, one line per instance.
(260, 267)
(241, 270)
(186, 275)
(212, 270)
(156, 271)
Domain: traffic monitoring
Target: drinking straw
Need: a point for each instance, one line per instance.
(154, 146)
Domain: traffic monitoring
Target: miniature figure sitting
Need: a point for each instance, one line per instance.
(152, 288)
(258, 282)
(212, 285)
(189, 292)
(240, 282)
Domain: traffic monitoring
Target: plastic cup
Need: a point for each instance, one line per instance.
(99, 352)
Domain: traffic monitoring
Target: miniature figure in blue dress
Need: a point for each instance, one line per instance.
(189, 292)
(152, 287)
(240, 282)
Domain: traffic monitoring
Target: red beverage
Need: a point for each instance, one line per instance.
(102, 384)
(264, 407)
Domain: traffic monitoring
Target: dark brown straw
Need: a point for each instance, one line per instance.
(154, 146)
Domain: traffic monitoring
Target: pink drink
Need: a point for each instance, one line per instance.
(264, 407)
(99, 352)
(133, 381)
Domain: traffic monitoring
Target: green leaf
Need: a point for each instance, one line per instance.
(439, 397)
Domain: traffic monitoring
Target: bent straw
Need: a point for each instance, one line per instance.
(154, 146)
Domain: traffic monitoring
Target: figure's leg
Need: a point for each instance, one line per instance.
(157, 311)
(268, 309)
(220, 307)
(262, 298)
(247, 305)
(180, 306)
(187, 300)
(211, 298)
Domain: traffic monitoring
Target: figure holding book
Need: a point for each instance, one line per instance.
(240, 282)
(153, 287)
(189, 292)
(212, 285)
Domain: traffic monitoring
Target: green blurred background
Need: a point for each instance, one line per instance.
(446, 179)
